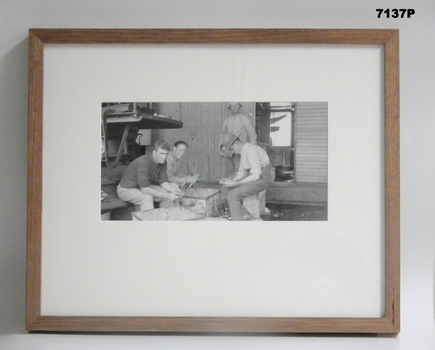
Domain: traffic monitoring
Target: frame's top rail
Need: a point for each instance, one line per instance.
(215, 36)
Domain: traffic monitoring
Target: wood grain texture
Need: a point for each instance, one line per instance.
(392, 181)
(34, 189)
(230, 325)
(389, 324)
(214, 36)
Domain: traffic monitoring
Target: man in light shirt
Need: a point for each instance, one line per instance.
(173, 165)
(254, 174)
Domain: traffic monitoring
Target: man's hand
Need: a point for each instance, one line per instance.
(178, 192)
(222, 181)
(193, 179)
(231, 183)
(173, 196)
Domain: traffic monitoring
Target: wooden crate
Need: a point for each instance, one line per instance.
(203, 200)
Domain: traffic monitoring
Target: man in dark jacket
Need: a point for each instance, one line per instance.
(145, 180)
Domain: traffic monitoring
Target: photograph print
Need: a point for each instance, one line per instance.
(229, 161)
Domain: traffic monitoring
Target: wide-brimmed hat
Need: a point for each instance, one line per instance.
(234, 103)
(227, 140)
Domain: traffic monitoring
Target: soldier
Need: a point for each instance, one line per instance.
(173, 164)
(145, 180)
(253, 176)
(237, 124)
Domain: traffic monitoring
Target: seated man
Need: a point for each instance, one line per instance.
(173, 164)
(145, 180)
(253, 176)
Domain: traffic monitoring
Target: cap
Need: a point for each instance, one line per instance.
(234, 103)
(227, 140)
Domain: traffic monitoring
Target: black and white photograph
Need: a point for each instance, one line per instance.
(229, 161)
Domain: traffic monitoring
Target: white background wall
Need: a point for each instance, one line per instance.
(417, 142)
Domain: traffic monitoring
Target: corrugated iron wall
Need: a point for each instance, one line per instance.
(311, 142)
(202, 125)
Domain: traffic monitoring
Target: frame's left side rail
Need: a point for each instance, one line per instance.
(34, 173)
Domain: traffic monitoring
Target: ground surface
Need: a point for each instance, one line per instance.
(296, 212)
(279, 212)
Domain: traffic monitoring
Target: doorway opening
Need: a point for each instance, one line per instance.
(275, 127)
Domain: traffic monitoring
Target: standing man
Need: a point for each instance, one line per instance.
(254, 174)
(145, 180)
(173, 165)
(237, 124)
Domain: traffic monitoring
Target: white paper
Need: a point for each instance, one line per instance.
(287, 269)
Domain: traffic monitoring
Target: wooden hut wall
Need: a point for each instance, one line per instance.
(311, 142)
(202, 126)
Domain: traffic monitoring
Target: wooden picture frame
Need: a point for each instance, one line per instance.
(389, 323)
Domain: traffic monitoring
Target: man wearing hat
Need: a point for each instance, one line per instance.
(253, 176)
(237, 124)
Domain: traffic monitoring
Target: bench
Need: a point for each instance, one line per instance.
(255, 204)
(112, 201)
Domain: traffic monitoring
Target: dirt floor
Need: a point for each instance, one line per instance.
(296, 212)
(279, 212)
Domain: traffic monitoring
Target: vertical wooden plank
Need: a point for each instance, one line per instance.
(206, 140)
(220, 114)
(203, 139)
(211, 108)
(392, 181)
(223, 110)
(217, 115)
(34, 174)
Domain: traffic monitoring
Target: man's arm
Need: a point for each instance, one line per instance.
(179, 179)
(172, 173)
(163, 180)
(235, 183)
(241, 177)
(168, 187)
(241, 173)
(170, 195)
